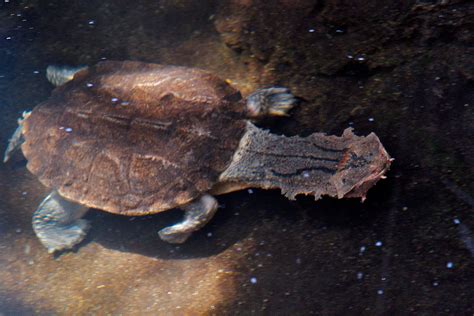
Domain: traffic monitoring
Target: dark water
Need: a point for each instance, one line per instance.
(401, 69)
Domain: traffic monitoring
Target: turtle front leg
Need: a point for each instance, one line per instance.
(274, 101)
(197, 214)
(57, 223)
(14, 143)
(59, 75)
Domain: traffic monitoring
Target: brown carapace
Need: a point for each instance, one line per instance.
(134, 138)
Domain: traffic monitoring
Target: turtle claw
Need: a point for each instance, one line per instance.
(65, 237)
(275, 101)
(197, 214)
(57, 223)
(173, 235)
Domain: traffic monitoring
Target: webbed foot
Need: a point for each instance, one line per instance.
(197, 214)
(59, 75)
(274, 101)
(57, 223)
(14, 143)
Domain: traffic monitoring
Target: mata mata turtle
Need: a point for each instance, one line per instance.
(134, 138)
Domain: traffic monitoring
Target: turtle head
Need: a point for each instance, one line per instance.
(363, 164)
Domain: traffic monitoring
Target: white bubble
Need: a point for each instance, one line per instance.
(360, 275)
(91, 22)
(89, 85)
(253, 280)
(125, 103)
(378, 244)
(36, 72)
(306, 174)
(449, 265)
(311, 30)
(457, 221)
(371, 119)
(360, 58)
(250, 191)
(380, 292)
(68, 129)
(362, 249)
(209, 234)
(114, 99)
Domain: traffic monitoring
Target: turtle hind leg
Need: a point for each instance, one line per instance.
(274, 101)
(59, 75)
(57, 223)
(14, 143)
(197, 214)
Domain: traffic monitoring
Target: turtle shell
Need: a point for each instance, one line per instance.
(134, 138)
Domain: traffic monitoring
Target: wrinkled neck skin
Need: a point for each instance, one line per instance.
(317, 165)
